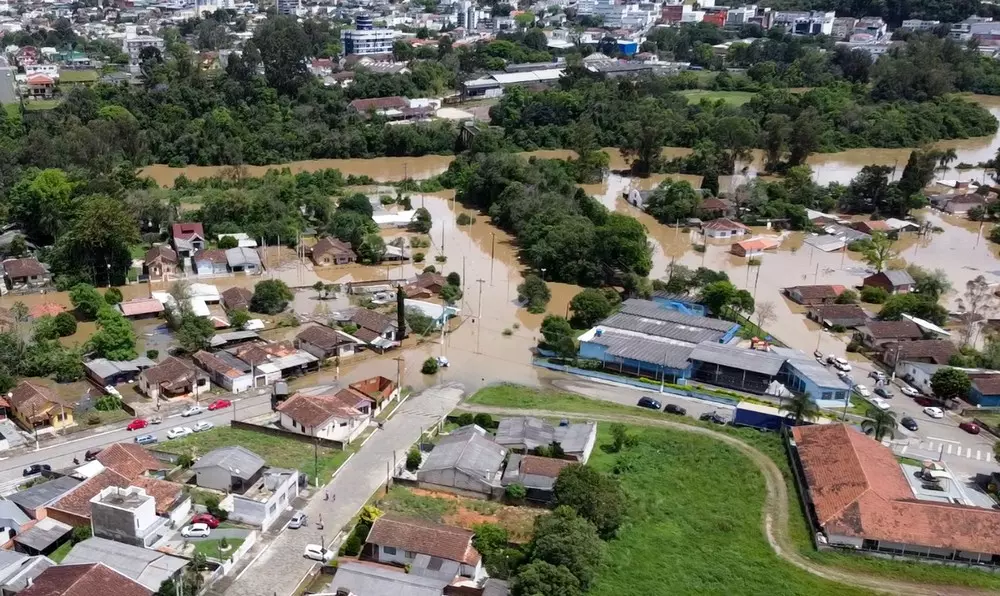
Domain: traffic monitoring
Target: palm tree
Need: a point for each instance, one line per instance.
(801, 408)
(945, 158)
(880, 422)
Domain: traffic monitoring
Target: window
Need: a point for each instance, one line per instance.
(435, 564)
(828, 395)
(389, 550)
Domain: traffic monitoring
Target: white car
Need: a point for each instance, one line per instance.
(908, 391)
(842, 365)
(318, 553)
(196, 531)
(442, 361)
(881, 403)
(179, 431)
(862, 390)
(192, 411)
(203, 425)
(934, 412)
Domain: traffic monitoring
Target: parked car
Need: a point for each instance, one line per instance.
(155, 420)
(862, 390)
(442, 362)
(298, 520)
(830, 358)
(91, 454)
(934, 412)
(179, 431)
(36, 469)
(137, 424)
(880, 403)
(146, 440)
(877, 375)
(206, 518)
(672, 409)
(196, 531)
(220, 404)
(970, 427)
(203, 425)
(649, 402)
(819, 357)
(909, 423)
(318, 553)
(925, 401)
(908, 391)
(883, 393)
(192, 411)
(842, 365)
(712, 417)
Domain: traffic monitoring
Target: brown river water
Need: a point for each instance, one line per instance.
(478, 348)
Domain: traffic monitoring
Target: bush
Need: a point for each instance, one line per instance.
(484, 420)
(430, 269)
(507, 332)
(465, 219)
(838, 328)
(227, 242)
(93, 419)
(854, 346)
(113, 296)
(352, 546)
(185, 461)
(429, 367)
(516, 492)
(440, 258)
(874, 295)
(418, 257)
(848, 296)
(413, 458)
(152, 354)
(465, 419)
(65, 324)
(223, 543)
(81, 533)
(212, 505)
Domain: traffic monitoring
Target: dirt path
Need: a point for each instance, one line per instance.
(775, 520)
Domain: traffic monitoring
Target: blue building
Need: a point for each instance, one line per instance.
(681, 303)
(683, 322)
(629, 353)
(985, 391)
(806, 375)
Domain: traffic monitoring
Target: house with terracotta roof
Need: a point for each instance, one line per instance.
(93, 579)
(211, 261)
(331, 251)
(131, 460)
(536, 474)
(428, 549)
(39, 86)
(380, 390)
(140, 308)
(160, 262)
(724, 228)
(817, 294)
(173, 378)
(875, 334)
(425, 285)
(74, 508)
(323, 342)
(188, 238)
(223, 373)
(847, 316)
(236, 298)
(893, 281)
(754, 247)
(869, 227)
(858, 498)
(36, 406)
(25, 273)
(333, 413)
(932, 351)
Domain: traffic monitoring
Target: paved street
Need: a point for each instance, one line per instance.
(281, 565)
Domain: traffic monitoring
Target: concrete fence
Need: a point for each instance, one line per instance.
(287, 434)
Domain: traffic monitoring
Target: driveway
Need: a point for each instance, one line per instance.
(281, 566)
(220, 533)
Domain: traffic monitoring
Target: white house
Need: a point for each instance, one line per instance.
(428, 549)
(326, 412)
(724, 228)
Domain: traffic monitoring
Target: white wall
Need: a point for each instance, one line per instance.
(418, 563)
(345, 430)
(180, 513)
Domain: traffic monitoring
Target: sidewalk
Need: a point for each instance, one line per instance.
(281, 566)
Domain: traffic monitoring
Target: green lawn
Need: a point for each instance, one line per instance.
(60, 553)
(703, 471)
(736, 98)
(277, 451)
(210, 548)
(41, 104)
(78, 76)
(401, 500)
(13, 109)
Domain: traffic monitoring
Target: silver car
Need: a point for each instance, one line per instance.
(298, 520)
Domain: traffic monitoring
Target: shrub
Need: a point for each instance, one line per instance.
(516, 325)
(185, 461)
(223, 543)
(429, 367)
(430, 269)
(418, 257)
(152, 354)
(854, 346)
(516, 492)
(465, 419)
(874, 295)
(507, 332)
(65, 324)
(81, 533)
(212, 505)
(413, 458)
(838, 328)
(351, 546)
(94, 419)
(440, 258)
(465, 219)
(698, 248)
(484, 420)
(754, 262)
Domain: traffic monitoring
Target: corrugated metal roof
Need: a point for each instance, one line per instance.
(652, 310)
(739, 358)
(650, 351)
(658, 328)
(468, 449)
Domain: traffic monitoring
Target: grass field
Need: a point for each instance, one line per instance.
(77, 76)
(12, 109)
(277, 451)
(702, 470)
(60, 553)
(210, 548)
(41, 104)
(736, 98)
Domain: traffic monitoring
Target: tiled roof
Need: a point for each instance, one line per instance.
(32, 400)
(723, 224)
(323, 337)
(187, 230)
(140, 306)
(171, 370)
(379, 103)
(330, 245)
(817, 292)
(162, 253)
(436, 540)
(987, 384)
(129, 459)
(366, 335)
(315, 410)
(214, 364)
(894, 330)
(939, 351)
(212, 255)
(237, 297)
(376, 388)
(46, 308)
(543, 466)
(78, 502)
(839, 311)
(858, 489)
(27, 267)
(369, 319)
(93, 579)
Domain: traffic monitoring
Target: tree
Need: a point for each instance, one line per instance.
(96, 244)
(673, 201)
(621, 437)
(978, 299)
(516, 492)
(912, 304)
(490, 540)
(801, 408)
(115, 338)
(113, 296)
(372, 249)
(238, 318)
(418, 322)
(642, 145)
(765, 314)
(283, 49)
(429, 367)
(880, 422)
(351, 226)
(42, 203)
(594, 496)
(413, 458)
(848, 296)
(568, 540)
(874, 295)
(227, 242)
(454, 279)
(558, 336)
(357, 202)
(422, 222)
(535, 293)
(950, 383)
(539, 578)
(193, 333)
(879, 252)
(270, 297)
(451, 293)
(65, 324)
(589, 307)
(932, 284)
(719, 295)
(86, 300)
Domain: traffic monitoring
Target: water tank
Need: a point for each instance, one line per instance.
(364, 22)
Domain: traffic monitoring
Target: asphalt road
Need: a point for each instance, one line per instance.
(59, 453)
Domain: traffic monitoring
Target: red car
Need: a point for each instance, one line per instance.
(207, 519)
(926, 401)
(970, 427)
(137, 424)
(219, 404)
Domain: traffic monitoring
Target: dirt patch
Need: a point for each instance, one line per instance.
(518, 521)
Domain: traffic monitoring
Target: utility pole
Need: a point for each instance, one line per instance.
(399, 372)
(316, 460)
(493, 254)
(479, 331)
(463, 271)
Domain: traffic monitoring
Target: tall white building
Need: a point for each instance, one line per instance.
(366, 39)
(813, 22)
(467, 16)
(133, 44)
(291, 7)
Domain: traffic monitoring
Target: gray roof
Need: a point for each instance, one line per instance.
(652, 310)
(658, 353)
(43, 534)
(104, 368)
(9, 510)
(18, 577)
(657, 328)
(766, 363)
(817, 373)
(849, 233)
(534, 432)
(495, 587)
(8, 558)
(221, 339)
(467, 449)
(10, 431)
(512, 474)
(898, 277)
(148, 567)
(366, 579)
(240, 462)
(239, 257)
(43, 494)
